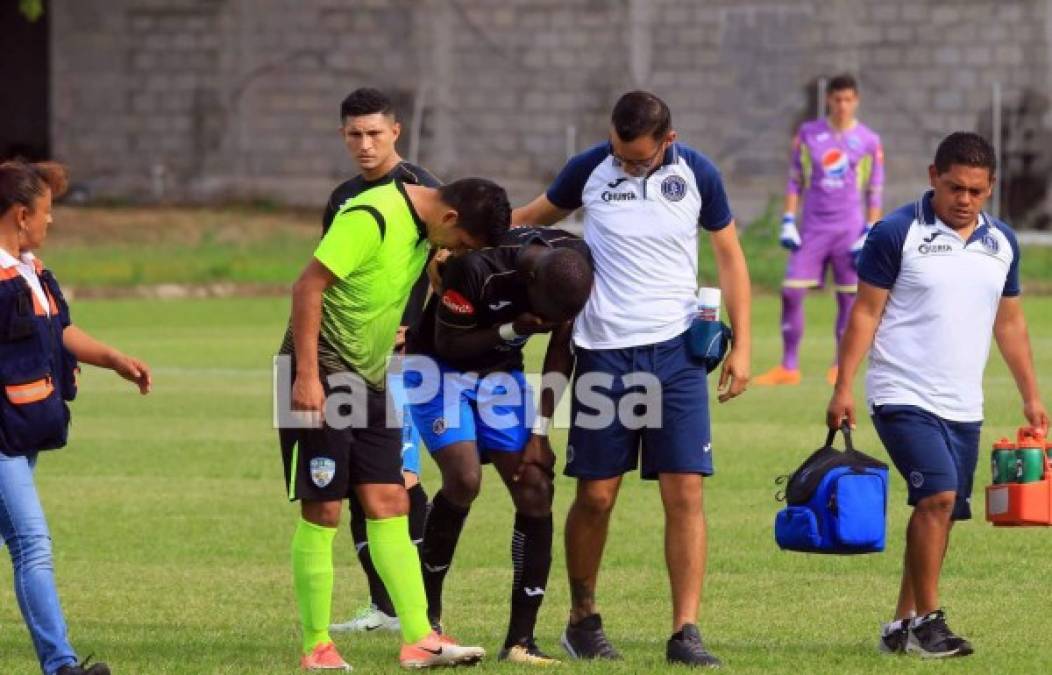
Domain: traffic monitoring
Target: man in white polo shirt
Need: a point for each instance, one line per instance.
(644, 197)
(936, 278)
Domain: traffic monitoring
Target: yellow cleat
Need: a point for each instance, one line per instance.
(778, 376)
(527, 653)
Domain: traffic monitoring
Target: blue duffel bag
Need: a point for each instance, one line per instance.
(836, 502)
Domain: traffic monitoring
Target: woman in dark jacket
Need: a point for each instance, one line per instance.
(39, 351)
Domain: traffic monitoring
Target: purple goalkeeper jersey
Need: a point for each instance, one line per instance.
(832, 170)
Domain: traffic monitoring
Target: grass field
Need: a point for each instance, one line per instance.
(111, 250)
(172, 534)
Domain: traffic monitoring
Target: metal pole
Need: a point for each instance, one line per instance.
(995, 111)
(820, 97)
(418, 123)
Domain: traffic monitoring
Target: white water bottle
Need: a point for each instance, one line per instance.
(709, 304)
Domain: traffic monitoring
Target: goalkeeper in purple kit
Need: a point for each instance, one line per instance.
(837, 168)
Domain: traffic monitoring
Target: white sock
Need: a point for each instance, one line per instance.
(894, 626)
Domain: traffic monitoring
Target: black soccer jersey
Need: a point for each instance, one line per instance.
(482, 289)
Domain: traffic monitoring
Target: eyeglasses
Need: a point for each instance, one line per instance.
(642, 164)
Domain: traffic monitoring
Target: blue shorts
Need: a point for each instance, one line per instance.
(410, 436)
(674, 437)
(495, 412)
(933, 454)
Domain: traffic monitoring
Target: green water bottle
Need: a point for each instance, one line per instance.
(1003, 462)
(1031, 453)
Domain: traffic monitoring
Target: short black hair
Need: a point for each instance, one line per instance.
(966, 148)
(640, 112)
(482, 207)
(841, 82)
(564, 280)
(366, 101)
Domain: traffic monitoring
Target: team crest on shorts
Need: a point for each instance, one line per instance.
(569, 454)
(438, 427)
(674, 188)
(322, 471)
(916, 479)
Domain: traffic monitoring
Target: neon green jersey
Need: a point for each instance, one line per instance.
(376, 248)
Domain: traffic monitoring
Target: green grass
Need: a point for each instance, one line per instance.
(116, 248)
(172, 532)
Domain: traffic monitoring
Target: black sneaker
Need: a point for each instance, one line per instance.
(931, 638)
(83, 668)
(526, 652)
(685, 647)
(894, 641)
(586, 640)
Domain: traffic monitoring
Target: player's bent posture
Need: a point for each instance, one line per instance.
(491, 302)
(370, 129)
(837, 168)
(346, 306)
(935, 278)
(644, 198)
(39, 350)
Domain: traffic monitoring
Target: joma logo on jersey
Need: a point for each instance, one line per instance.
(618, 196)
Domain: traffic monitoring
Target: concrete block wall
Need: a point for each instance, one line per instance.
(206, 99)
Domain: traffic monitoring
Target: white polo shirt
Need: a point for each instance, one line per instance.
(933, 341)
(29, 273)
(643, 234)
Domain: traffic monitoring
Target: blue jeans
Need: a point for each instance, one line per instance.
(24, 530)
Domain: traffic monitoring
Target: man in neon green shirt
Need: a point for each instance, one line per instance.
(346, 308)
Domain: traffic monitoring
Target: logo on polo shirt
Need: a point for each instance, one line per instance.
(674, 188)
(926, 249)
(617, 181)
(609, 196)
(990, 243)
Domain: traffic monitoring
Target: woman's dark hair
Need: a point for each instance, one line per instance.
(22, 182)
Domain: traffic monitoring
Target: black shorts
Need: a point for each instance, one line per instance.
(325, 464)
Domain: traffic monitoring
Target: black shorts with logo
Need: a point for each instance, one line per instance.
(325, 464)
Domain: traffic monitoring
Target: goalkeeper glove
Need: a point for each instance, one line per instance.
(789, 237)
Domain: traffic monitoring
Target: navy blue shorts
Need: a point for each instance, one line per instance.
(933, 454)
(674, 436)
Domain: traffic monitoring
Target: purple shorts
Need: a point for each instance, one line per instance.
(821, 248)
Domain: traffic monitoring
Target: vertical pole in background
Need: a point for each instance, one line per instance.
(571, 150)
(571, 141)
(820, 97)
(995, 112)
(418, 122)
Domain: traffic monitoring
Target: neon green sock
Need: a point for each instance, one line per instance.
(312, 578)
(398, 564)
